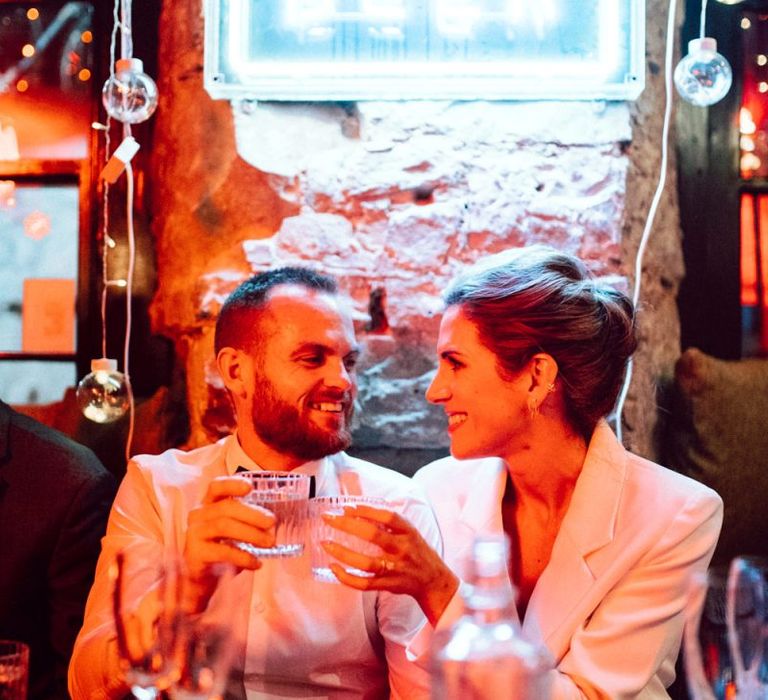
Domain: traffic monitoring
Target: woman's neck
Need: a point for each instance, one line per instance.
(540, 483)
(545, 474)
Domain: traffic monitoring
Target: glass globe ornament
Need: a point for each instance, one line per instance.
(129, 95)
(704, 76)
(102, 395)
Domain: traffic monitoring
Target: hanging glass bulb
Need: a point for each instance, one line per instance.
(130, 95)
(103, 394)
(704, 76)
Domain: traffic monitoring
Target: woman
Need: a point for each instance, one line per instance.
(532, 352)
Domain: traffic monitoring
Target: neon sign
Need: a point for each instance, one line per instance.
(425, 49)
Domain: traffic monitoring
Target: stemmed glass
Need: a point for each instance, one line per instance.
(144, 604)
(709, 669)
(747, 615)
(205, 643)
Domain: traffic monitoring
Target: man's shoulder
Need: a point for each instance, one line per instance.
(449, 473)
(179, 465)
(374, 479)
(357, 476)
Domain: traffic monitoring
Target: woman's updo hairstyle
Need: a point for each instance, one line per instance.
(537, 299)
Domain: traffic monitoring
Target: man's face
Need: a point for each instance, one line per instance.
(304, 374)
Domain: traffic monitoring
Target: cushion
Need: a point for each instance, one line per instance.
(719, 435)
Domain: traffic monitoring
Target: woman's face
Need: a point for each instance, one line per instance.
(488, 415)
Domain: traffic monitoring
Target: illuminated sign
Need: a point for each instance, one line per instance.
(424, 49)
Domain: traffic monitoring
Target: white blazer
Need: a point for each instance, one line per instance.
(610, 603)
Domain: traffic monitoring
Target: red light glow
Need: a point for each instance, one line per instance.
(754, 257)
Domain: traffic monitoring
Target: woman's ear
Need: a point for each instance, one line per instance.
(543, 370)
(233, 367)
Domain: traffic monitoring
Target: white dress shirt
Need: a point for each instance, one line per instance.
(297, 638)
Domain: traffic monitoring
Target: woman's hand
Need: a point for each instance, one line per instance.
(407, 563)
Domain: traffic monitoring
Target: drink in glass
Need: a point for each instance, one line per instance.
(14, 669)
(287, 496)
(322, 531)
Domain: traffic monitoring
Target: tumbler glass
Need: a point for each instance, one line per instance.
(145, 606)
(205, 644)
(321, 531)
(14, 669)
(747, 620)
(709, 667)
(287, 496)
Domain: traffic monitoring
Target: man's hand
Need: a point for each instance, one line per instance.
(219, 518)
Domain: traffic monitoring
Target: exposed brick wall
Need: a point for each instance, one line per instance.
(393, 198)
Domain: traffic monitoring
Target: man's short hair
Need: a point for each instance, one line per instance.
(237, 324)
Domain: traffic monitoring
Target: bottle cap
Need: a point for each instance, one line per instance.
(706, 43)
(489, 555)
(104, 364)
(129, 65)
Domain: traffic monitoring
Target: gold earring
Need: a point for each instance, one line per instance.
(550, 388)
(533, 408)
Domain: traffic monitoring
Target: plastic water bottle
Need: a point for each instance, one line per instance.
(484, 655)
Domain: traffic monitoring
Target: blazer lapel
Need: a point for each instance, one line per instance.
(561, 599)
(481, 513)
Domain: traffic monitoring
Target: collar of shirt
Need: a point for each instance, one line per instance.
(326, 479)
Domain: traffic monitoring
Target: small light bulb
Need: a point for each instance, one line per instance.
(130, 95)
(703, 77)
(103, 394)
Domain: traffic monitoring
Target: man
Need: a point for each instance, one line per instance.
(54, 501)
(286, 351)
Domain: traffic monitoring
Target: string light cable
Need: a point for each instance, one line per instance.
(103, 395)
(128, 298)
(129, 96)
(702, 78)
(106, 240)
(668, 56)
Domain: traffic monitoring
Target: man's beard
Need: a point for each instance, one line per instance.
(287, 430)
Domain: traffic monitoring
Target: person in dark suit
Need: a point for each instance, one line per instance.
(55, 497)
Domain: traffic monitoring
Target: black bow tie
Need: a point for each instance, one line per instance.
(311, 480)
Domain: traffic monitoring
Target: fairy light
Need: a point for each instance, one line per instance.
(704, 76)
(746, 122)
(120, 97)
